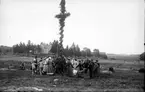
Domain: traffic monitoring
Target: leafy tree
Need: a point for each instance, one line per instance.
(96, 52)
(103, 55)
(87, 51)
(73, 51)
(66, 51)
(78, 53)
(55, 47)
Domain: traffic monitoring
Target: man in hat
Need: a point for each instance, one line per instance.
(90, 67)
(58, 66)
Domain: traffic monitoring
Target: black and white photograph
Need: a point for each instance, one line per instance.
(72, 45)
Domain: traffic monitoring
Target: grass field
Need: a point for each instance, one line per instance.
(125, 79)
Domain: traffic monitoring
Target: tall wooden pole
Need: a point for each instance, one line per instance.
(62, 16)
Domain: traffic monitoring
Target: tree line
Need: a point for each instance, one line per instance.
(72, 51)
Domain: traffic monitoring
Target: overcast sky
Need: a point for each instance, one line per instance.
(112, 26)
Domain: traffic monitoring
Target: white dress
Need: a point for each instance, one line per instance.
(33, 64)
(41, 64)
(45, 68)
(75, 64)
(72, 61)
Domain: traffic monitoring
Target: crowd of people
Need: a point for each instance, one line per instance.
(65, 66)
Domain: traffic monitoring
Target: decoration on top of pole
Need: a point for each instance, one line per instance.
(62, 16)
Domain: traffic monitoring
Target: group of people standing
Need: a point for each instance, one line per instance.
(43, 66)
(68, 66)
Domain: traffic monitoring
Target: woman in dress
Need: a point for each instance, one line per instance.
(50, 67)
(69, 68)
(75, 63)
(45, 68)
(34, 65)
(41, 66)
(96, 69)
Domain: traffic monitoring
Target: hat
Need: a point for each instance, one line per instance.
(49, 57)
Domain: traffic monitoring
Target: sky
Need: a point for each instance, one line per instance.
(112, 26)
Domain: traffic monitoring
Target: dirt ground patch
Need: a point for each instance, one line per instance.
(125, 79)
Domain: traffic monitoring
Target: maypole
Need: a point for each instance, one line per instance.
(62, 16)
